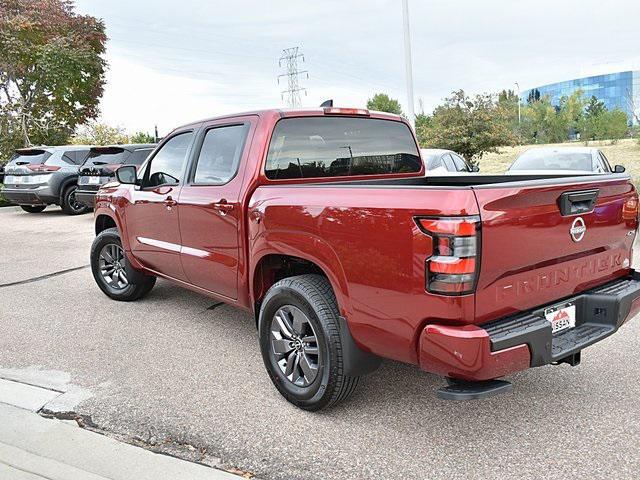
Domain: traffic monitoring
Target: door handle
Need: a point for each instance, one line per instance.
(222, 207)
(170, 202)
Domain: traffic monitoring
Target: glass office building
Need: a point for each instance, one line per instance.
(616, 90)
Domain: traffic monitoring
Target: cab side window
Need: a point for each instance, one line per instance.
(220, 154)
(166, 166)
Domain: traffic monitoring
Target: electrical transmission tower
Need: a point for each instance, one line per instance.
(289, 59)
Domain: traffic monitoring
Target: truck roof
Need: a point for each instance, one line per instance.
(295, 112)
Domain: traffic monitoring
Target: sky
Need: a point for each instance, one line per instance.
(173, 62)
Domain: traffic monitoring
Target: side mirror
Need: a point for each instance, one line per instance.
(618, 169)
(475, 169)
(127, 175)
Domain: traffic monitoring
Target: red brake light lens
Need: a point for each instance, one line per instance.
(630, 209)
(346, 111)
(452, 266)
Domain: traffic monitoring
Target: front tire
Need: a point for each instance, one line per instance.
(300, 343)
(33, 208)
(70, 205)
(108, 265)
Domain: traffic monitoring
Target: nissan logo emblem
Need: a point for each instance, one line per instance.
(578, 229)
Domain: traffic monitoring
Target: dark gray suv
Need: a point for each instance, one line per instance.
(39, 176)
(101, 165)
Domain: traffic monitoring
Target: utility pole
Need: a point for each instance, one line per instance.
(518, 86)
(289, 59)
(407, 61)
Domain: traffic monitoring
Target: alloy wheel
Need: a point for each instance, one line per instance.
(75, 205)
(111, 264)
(294, 345)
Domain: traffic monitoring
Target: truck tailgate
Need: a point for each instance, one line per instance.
(535, 250)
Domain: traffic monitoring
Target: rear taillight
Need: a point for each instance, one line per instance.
(452, 267)
(630, 209)
(36, 167)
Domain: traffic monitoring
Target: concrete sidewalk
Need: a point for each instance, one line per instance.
(33, 447)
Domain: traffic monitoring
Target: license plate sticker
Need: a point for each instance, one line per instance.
(94, 180)
(561, 317)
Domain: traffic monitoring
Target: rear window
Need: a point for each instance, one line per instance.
(35, 157)
(138, 156)
(550, 160)
(108, 156)
(75, 157)
(317, 147)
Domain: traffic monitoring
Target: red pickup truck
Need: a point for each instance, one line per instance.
(323, 225)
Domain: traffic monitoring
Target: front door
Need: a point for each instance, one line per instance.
(210, 206)
(152, 218)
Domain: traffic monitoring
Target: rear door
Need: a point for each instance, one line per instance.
(210, 206)
(548, 239)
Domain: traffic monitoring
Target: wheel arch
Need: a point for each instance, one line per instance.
(272, 266)
(66, 183)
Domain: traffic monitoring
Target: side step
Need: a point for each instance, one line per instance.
(461, 390)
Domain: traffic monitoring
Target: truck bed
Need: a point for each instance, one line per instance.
(365, 235)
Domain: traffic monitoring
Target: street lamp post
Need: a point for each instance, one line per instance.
(407, 61)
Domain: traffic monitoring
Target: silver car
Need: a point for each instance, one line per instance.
(445, 162)
(562, 160)
(39, 176)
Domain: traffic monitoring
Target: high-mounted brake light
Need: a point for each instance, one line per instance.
(37, 167)
(346, 111)
(452, 266)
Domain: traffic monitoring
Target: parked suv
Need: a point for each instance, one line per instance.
(39, 176)
(101, 164)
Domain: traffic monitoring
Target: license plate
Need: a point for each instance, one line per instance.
(94, 180)
(17, 180)
(561, 317)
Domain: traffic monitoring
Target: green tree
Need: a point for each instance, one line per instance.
(616, 125)
(96, 133)
(471, 126)
(543, 123)
(383, 103)
(51, 70)
(142, 137)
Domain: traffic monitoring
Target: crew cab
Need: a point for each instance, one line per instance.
(322, 224)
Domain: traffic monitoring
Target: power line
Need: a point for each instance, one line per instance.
(290, 58)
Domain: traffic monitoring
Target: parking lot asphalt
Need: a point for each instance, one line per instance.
(175, 367)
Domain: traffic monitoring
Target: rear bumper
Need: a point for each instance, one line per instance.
(511, 344)
(86, 197)
(30, 196)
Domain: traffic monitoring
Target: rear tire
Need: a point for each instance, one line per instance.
(300, 343)
(108, 265)
(69, 204)
(33, 208)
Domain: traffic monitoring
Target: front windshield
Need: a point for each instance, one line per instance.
(539, 159)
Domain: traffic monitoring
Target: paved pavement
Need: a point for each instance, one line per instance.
(33, 447)
(175, 370)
